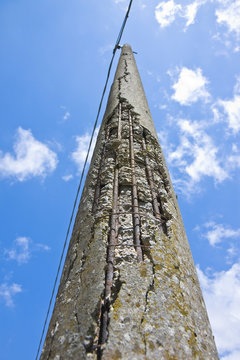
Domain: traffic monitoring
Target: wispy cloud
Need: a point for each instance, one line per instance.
(195, 157)
(228, 14)
(232, 355)
(234, 161)
(41, 247)
(7, 293)
(218, 232)
(231, 109)
(31, 158)
(66, 116)
(79, 154)
(221, 292)
(22, 249)
(190, 86)
(67, 178)
(107, 48)
(191, 12)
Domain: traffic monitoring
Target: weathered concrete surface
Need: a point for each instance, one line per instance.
(127, 84)
(109, 305)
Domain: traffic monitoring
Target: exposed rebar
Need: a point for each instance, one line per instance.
(112, 243)
(113, 236)
(136, 216)
(150, 180)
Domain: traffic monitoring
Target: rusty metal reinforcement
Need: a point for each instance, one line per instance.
(150, 180)
(136, 216)
(113, 237)
(112, 242)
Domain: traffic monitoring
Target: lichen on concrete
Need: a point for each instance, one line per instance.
(129, 288)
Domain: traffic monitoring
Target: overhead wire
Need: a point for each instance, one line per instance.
(117, 46)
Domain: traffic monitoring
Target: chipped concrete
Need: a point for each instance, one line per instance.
(113, 303)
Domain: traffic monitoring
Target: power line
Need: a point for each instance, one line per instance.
(83, 171)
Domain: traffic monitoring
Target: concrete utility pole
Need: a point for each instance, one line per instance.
(129, 288)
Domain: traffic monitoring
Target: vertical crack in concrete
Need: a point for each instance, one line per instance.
(53, 332)
(101, 166)
(71, 265)
(123, 77)
(77, 320)
(149, 289)
(91, 339)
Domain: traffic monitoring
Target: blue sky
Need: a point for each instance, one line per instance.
(54, 59)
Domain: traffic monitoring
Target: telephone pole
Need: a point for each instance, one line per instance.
(129, 288)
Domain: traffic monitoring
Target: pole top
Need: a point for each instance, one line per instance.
(127, 85)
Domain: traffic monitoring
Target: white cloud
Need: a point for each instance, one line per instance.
(67, 178)
(195, 157)
(66, 116)
(191, 12)
(222, 296)
(166, 11)
(229, 14)
(231, 109)
(234, 148)
(234, 161)
(105, 49)
(32, 158)
(20, 252)
(7, 292)
(79, 155)
(190, 87)
(216, 113)
(218, 232)
(43, 247)
(22, 249)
